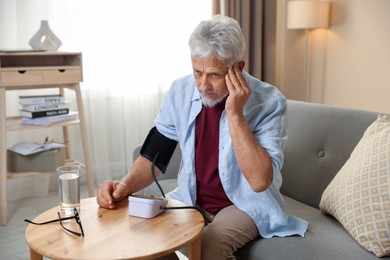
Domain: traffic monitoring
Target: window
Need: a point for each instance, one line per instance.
(129, 45)
(132, 51)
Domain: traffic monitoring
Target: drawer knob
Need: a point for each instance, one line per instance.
(21, 71)
(62, 70)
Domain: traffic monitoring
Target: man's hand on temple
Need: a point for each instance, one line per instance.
(239, 91)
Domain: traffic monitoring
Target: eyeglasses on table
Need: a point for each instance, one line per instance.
(76, 217)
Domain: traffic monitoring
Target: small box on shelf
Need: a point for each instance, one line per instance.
(46, 161)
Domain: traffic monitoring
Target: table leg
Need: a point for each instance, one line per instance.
(34, 255)
(194, 249)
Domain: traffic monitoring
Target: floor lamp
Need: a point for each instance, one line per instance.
(307, 14)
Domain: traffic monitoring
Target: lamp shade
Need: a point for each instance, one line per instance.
(307, 14)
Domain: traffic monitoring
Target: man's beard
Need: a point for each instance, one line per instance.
(208, 102)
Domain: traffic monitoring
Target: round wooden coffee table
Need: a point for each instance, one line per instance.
(113, 234)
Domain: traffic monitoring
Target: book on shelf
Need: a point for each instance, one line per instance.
(41, 99)
(46, 106)
(28, 148)
(37, 114)
(50, 120)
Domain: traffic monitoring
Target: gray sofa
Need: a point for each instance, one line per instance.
(320, 140)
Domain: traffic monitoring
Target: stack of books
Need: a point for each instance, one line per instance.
(45, 110)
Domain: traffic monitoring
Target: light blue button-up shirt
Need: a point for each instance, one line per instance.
(265, 112)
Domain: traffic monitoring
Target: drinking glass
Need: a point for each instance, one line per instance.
(69, 188)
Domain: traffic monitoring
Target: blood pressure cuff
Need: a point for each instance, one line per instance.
(158, 149)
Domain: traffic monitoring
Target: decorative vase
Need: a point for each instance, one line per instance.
(45, 39)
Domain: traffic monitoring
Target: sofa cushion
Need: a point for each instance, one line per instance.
(359, 195)
(320, 140)
(325, 239)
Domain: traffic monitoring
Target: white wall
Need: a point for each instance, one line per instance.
(349, 63)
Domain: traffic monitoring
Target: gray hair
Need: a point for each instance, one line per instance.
(221, 36)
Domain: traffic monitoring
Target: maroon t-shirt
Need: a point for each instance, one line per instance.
(210, 193)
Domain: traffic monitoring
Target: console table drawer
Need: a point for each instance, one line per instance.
(21, 76)
(62, 75)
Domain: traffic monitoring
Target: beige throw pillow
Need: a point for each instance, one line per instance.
(359, 195)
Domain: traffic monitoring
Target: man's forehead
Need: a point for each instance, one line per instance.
(209, 63)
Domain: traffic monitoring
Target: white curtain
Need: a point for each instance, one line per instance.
(132, 50)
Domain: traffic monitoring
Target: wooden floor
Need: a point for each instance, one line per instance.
(12, 242)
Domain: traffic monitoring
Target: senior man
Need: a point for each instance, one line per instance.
(231, 128)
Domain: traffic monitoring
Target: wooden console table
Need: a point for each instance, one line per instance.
(39, 70)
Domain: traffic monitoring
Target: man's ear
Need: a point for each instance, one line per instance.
(241, 65)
